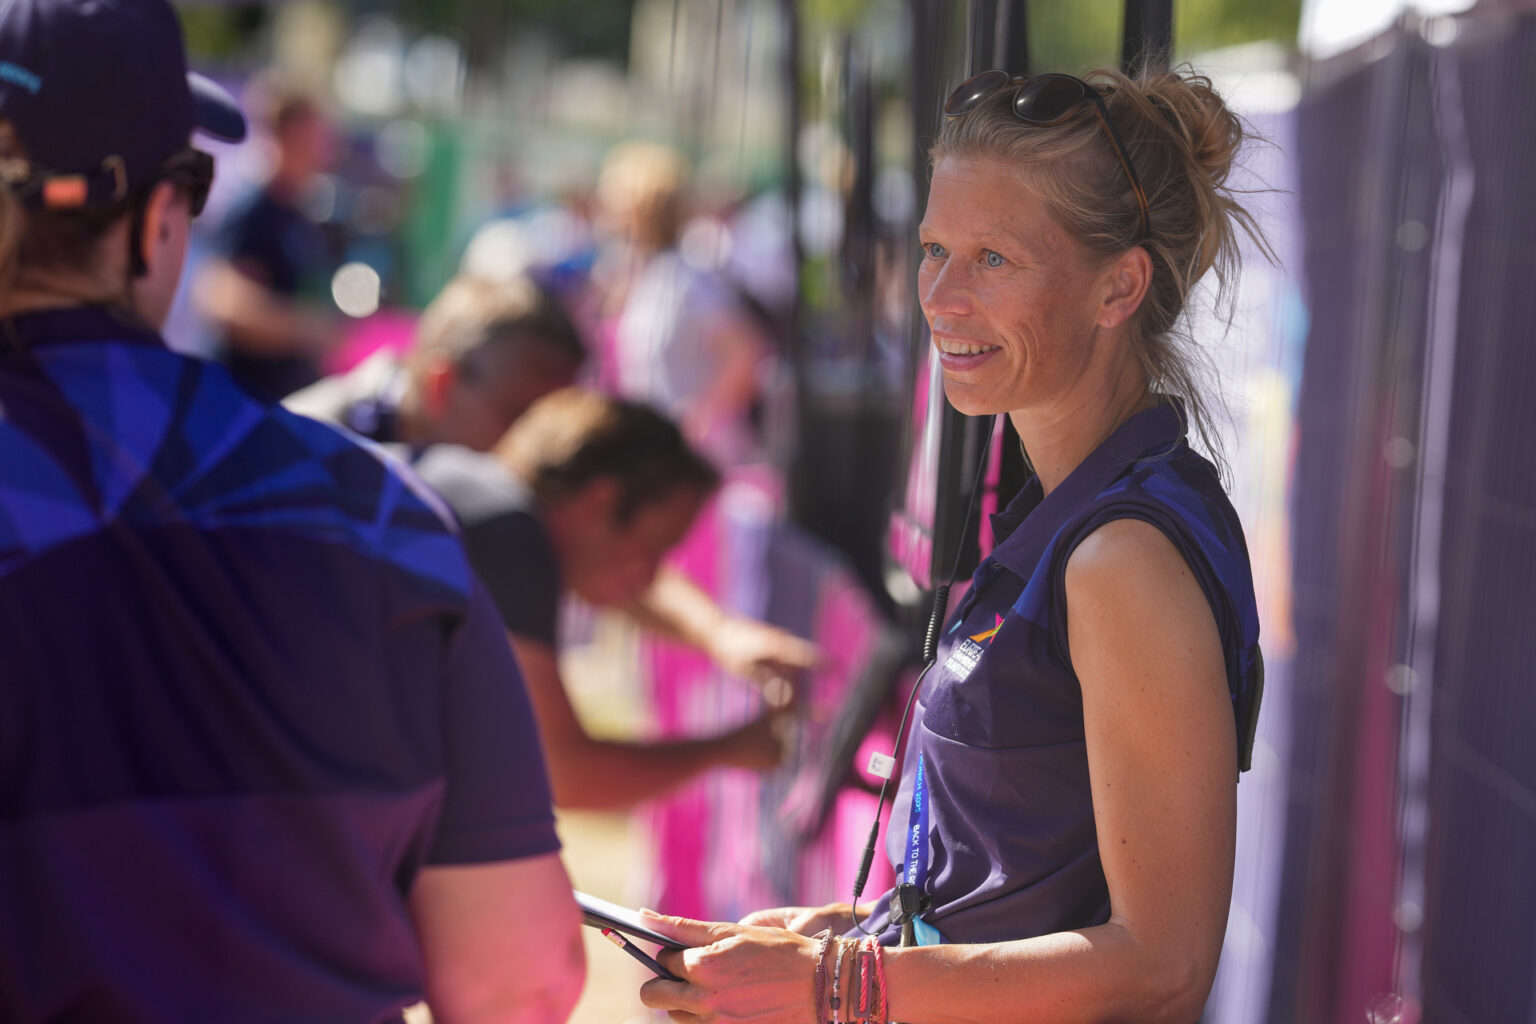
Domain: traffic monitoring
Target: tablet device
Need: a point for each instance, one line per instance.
(602, 914)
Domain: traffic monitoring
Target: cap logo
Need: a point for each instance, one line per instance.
(18, 75)
(65, 191)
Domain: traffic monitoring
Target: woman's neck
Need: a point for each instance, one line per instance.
(1059, 438)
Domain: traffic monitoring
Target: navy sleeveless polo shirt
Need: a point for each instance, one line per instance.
(1011, 845)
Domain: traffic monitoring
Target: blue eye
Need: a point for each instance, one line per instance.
(933, 250)
(993, 259)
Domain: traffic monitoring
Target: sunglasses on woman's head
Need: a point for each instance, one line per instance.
(1048, 100)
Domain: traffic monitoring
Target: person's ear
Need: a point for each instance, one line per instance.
(154, 235)
(438, 378)
(1127, 280)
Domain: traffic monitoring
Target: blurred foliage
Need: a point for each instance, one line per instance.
(1207, 24)
(1080, 34)
(584, 28)
(835, 14)
(1065, 34)
(222, 33)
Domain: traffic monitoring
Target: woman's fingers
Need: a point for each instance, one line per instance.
(688, 931)
(674, 996)
(775, 917)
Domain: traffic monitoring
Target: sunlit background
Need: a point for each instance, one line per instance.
(1378, 381)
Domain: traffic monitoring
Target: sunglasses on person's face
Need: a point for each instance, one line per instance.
(1048, 100)
(192, 170)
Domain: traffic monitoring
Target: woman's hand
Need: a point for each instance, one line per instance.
(734, 972)
(804, 920)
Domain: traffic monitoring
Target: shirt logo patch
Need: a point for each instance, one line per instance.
(963, 658)
(986, 638)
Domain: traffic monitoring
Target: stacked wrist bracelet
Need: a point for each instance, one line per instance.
(836, 1002)
(823, 940)
(863, 1000)
(871, 960)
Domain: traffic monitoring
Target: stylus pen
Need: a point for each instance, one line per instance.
(639, 954)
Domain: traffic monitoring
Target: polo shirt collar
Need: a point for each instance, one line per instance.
(1028, 524)
(83, 323)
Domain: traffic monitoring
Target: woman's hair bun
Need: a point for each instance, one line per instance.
(1210, 133)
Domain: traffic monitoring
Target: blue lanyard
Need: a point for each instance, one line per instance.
(917, 830)
(916, 872)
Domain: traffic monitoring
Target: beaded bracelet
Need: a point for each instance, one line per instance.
(837, 976)
(823, 940)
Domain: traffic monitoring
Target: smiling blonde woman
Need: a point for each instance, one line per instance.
(1067, 810)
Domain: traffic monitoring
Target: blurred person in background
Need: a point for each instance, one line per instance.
(680, 335)
(484, 351)
(260, 292)
(585, 495)
(265, 754)
(1065, 826)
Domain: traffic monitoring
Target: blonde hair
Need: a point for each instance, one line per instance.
(1181, 139)
(645, 182)
(472, 314)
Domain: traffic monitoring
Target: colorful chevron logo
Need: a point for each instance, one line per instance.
(989, 634)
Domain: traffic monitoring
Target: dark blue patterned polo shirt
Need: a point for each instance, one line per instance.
(248, 686)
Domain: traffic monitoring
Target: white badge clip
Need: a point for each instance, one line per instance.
(880, 765)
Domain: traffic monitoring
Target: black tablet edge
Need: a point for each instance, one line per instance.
(599, 917)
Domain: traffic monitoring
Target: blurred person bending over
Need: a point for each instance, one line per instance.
(484, 351)
(592, 493)
(270, 255)
(264, 755)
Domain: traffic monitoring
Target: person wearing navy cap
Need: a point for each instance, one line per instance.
(1065, 825)
(264, 754)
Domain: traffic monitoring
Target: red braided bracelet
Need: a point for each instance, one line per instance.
(872, 979)
(865, 958)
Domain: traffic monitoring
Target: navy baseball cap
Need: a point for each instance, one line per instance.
(100, 97)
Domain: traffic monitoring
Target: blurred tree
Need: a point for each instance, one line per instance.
(1067, 35)
(1200, 25)
(837, 14)
(585, 28)
(1082, 34)
(222, 33)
